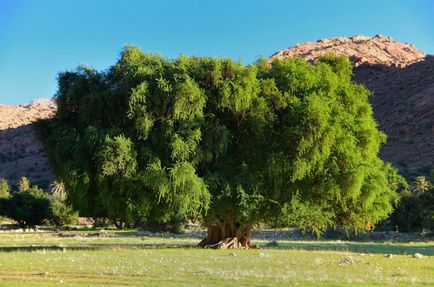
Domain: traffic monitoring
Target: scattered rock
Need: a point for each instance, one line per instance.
(388, 255)
(417, 255)
(91, 234)
(346, 260)
(86, 221)
(233, 254)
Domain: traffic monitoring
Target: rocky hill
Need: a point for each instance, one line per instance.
(380, 50)
(21, 154)
(402, 81)
(400, 77)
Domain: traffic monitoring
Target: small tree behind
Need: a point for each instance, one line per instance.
(61, 213)
(23, 184)
(4, 188)
(415, 211)
(421, 184)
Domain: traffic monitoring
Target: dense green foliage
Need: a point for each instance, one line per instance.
(151, 139)
(415, 211)
(26, 208)
(30, 205)
(61, 213)
(4, 188)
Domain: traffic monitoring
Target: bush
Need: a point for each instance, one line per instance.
(426, 210)
(175, 224)
(27, 209)
(4, 188)
(61, 213)
(4, 192)
(414, 213)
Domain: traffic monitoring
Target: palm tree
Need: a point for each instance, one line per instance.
(58, 190)
(420, 185)
(23, 184)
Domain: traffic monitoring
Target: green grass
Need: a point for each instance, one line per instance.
(43, 259)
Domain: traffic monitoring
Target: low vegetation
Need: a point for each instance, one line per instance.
(133, 258)
(29, 206)
(415, 211)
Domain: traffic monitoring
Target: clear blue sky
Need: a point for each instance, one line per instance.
(40, 38)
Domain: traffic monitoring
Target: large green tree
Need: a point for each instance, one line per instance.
(286, 142)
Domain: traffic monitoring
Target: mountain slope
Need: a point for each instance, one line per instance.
(21, 154)
(378, 50)
(402, 81)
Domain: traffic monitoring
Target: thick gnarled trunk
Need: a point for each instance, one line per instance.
(228, 233)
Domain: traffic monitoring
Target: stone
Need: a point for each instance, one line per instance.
(418, 255)
(346, 260)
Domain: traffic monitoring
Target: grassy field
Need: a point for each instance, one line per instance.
(131, 259)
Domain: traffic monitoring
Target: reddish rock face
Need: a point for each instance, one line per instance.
(21, 154)
(402, 81)
(360, 49)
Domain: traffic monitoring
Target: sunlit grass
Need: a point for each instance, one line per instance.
(43, 259)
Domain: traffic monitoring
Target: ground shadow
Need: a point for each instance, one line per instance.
(403, 107)
(21, 154)
(354, 247)
(92, 247)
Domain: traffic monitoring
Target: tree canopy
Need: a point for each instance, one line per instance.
(288, 142)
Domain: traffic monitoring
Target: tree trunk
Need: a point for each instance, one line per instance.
(228, 233)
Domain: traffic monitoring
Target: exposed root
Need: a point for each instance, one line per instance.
(227, 233)
(228, 243)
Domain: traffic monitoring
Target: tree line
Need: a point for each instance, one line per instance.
(30, 205)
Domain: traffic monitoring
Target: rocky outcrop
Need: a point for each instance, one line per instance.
(402, 81)
(378, 50)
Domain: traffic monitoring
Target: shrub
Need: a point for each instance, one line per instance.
(426, 210)
(27, 209)
(61, 213)
(4, 191)
(414, 213)
(4, 188)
